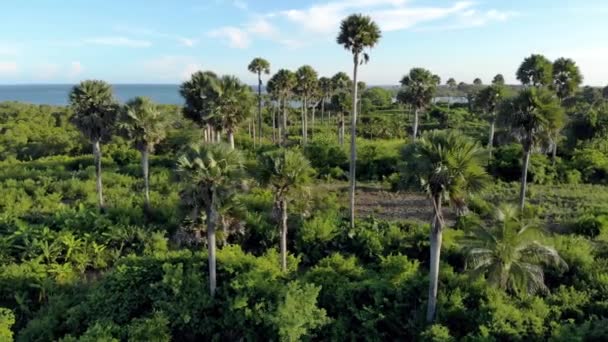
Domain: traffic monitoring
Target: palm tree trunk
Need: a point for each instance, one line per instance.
(274, 125)
(353, 144)
(304, 131)
(435, 249)
(554, 150)
(524, 177)
(211, 221)
(323, 110)
(97, 158)
(491, 137)
(231, 138)
(284, 137)
(260, 107)
(415, 132)
(341, 130)
(283, 205)
(144, 165)
(313, 119)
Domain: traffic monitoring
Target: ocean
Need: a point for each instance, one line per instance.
(57, 94)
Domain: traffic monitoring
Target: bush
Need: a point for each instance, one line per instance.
(590, 225)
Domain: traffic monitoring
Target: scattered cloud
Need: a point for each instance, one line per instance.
(235, 37)
(119, 41)
(8, 68)
(188, 42)
(166, 68)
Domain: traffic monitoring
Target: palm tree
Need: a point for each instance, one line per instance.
(357, 32)
(145, 125)
(531, 115)
(499, 79)
(451, 83)
(488, 100)
(95, 112)
(510, 254)
(420, 85)
(306, 85)
(477, 82)
(566, 79)
(287, 172)
(340, 83)
(233, 106)
(283, 83)
(200, 95)
(259, 66)
(448, 166)
(536, 71)
(212, 174)
(325, 90)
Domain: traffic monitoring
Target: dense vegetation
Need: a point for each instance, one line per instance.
(136, 222)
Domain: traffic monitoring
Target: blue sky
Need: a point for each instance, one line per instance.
(164, 41)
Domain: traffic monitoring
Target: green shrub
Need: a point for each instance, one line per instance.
(590, 225)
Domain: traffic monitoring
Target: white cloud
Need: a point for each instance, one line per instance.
(8, 68)
(119, 41)
(236, 37)
(262, 27)
(172, 68)
(188, 42)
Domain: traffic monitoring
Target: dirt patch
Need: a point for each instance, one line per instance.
(382, 203)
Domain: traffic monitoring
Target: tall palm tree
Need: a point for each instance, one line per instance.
(211, 175)
(287, 172)
(448, 166)
(95, 113)
(510, 254)
(488, 100)
(419, 88)
(306, 85)
(259, 66)
(536, 71)
(531, 116)
(275, 100)
(357, 33)
(145, 125)
(284, 82)
(200, 95)
(567, 78)
(233, 105)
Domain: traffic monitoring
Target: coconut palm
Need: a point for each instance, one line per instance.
(211, 174)
(200, 95)
(511, 254)
(283, 83)
(95, 113)
(144, 124)
(287, 172)
(488, 100)
(233, 106)
(259, 66)
(531, 116)
(419, 88)
(306, 85)
(448, 166)
(536, 71)
(357, 33)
